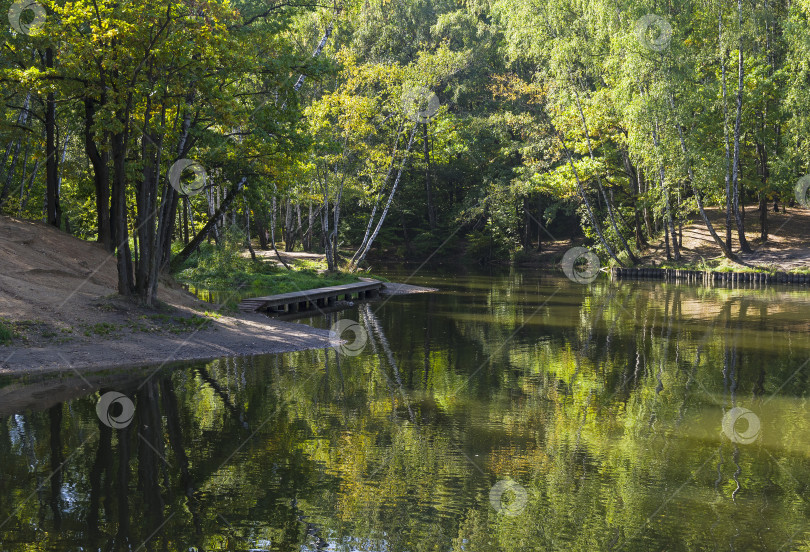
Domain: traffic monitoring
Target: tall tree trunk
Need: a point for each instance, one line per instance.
(299, 229)
(61, 171)
(688, 159)
(735, 176)
(22, 118)
(632, 174)
(318, 49)
(644, 188)
(763, 217)
(668, 217)
(166, 221)
(763, 202)
(27, 195)
(670, 221)
(289, 227)
(247, 231)
(726, 138)
(431, 211)
(144, 199)
(540, 212)
(367, 235)
(9, 180)
(185, 220)
(169, 195)
(101, 175)
(183, 256)
(261, 228)
(373, 236)
(325, 238)
(162, 231)
(25, 167)
(25, 159)
(526, 231)
(330, 236)
(676, 250)
(608, 204)
(336, 222)
(308, 235)
(595, 223)
(273, 230)
(54, 215)
(118, 214)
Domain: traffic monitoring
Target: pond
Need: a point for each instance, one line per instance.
(512, 410)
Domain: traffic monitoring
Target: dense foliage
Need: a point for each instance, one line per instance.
(484, 126)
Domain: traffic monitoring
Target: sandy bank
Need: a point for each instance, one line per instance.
(227, 336)
(57, 294)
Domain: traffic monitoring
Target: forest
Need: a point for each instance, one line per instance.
(284, 275)
(482, 128)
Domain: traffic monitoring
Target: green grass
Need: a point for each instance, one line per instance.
(102, 329)
(225, 268)
(6, 333)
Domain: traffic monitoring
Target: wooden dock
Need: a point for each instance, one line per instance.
(311, 299)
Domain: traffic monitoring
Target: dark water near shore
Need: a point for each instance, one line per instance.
(511, 411)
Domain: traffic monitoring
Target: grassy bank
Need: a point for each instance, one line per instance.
(229, 267)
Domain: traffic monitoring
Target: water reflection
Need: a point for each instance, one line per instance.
(508, 412)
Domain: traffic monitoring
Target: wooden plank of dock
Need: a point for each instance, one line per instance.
(295, 301)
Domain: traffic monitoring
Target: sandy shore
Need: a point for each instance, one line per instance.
(227, 336)
(57, 294)
(392, 288)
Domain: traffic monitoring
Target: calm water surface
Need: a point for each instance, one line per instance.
(512, 411)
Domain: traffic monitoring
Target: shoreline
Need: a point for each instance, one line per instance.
(710, 277)
(137, 344)
(247, 335)
(62, 313)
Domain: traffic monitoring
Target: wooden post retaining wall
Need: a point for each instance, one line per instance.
(710, 278)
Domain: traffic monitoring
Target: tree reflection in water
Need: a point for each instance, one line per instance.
(603, 402)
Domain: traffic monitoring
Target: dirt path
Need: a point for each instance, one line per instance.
(787, 247)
